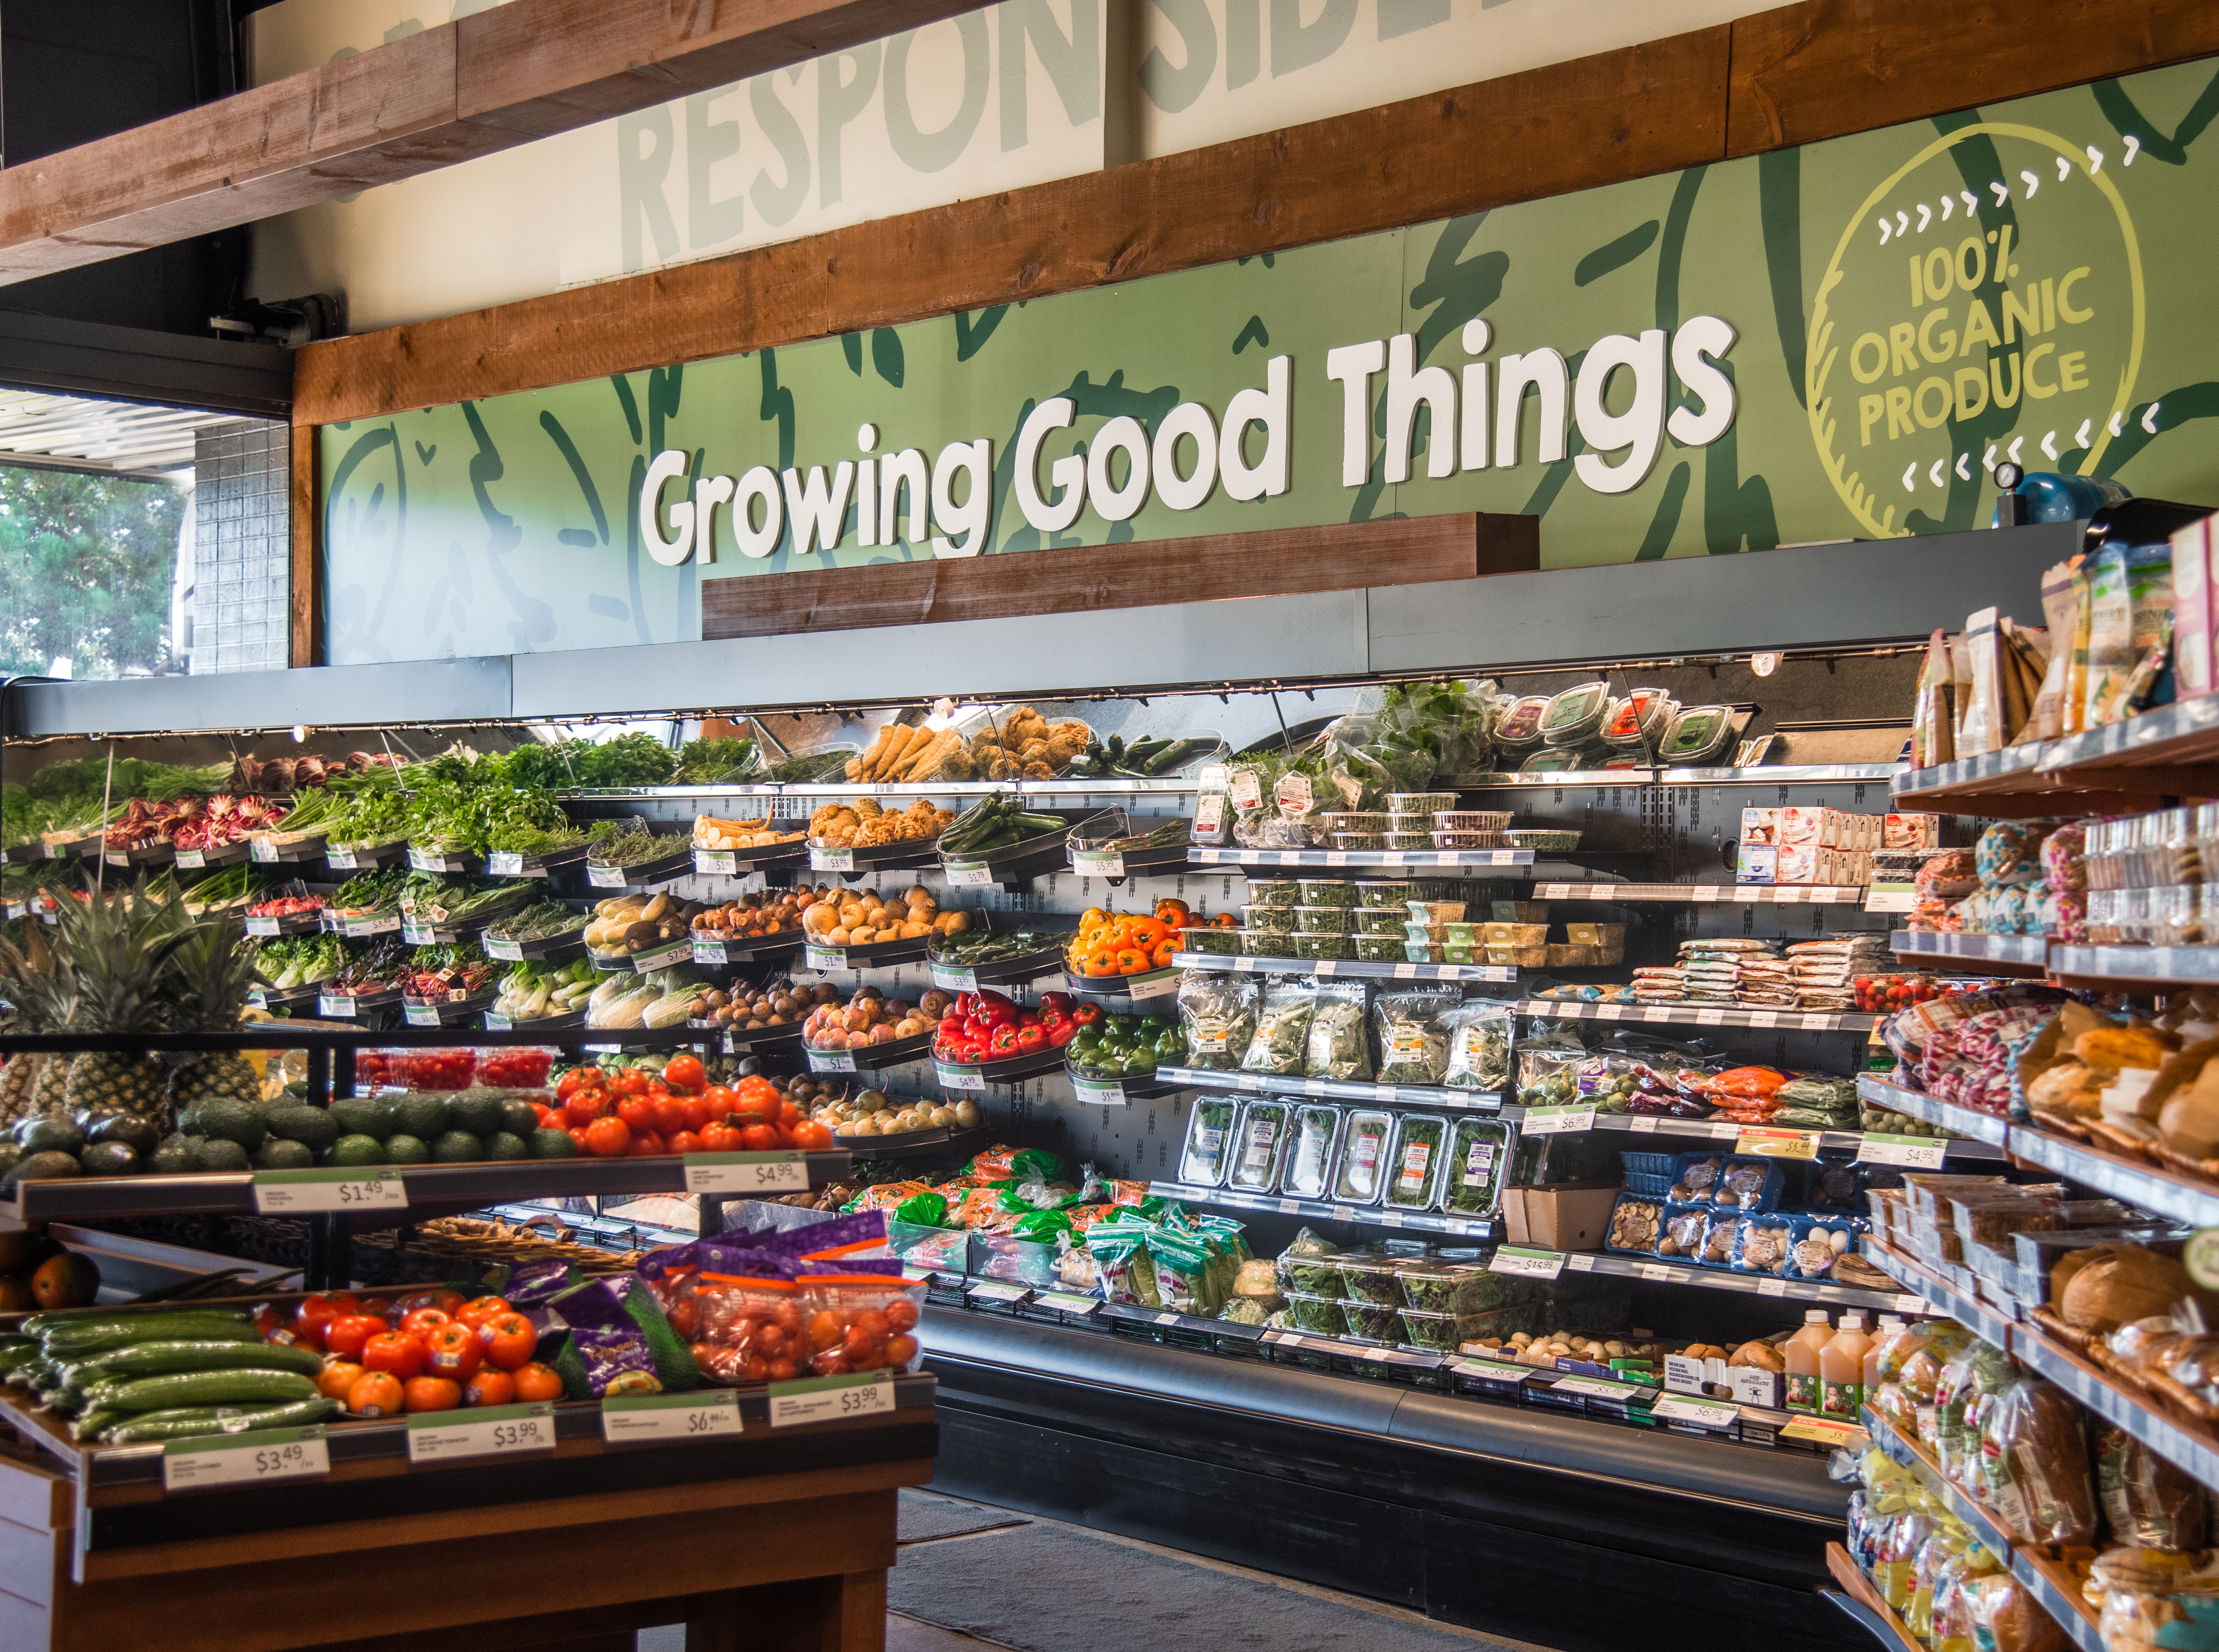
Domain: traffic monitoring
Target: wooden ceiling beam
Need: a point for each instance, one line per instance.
(508, 76)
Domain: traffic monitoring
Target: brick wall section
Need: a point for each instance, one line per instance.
(242, 547)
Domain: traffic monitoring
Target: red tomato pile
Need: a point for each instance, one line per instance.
(630, 1114)
(429, 1351)
(436, 1069)
(986, 1027)
(747, 1333)
(520, 1068)
(286, 906)
(1880, 995)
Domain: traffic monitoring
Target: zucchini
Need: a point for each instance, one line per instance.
(1169, 758)
(186, 1422)
(205, 1388)
(39, 1325)
(80, 1344)
(155, 1359)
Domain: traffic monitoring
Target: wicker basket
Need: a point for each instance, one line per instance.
(542, 1239)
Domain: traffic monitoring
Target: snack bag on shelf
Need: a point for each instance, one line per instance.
(2034, 1465)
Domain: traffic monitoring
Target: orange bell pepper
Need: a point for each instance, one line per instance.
(1165, 952)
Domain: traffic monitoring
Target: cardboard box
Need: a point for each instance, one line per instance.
(1574, 1217)
(1910, 832)
(1760, 825)
(1805, 827)
(1758, 863)
(1797, 863)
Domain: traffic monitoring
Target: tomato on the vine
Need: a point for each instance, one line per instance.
(758, 1139)
(638, 1112)
(346, 1335)
(608, 1138)
(669, 1115)
(698, 1114)
(720, 1139)
(684, 1072)
(631, 1082)
(686, 1141)
(646, 1145)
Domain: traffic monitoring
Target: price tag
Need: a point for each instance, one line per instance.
(987, 1290)
(1897, 899)
(666, 1419)
(117, 858)
(710, 952)
(960, 1078)
(1700, 893)
(1772, 1287)
(823, 958)
(1764, 1018)
(1710, 1018)
(503, 863)
(334, 1004)
(961, 874)
(1526, 1264)
(832, 860)
(425, 860)
(1161, 985)
(1390, 1218)
(257, 849)
(1777, 1144)
(1290, 1206)
(1558, 1120)
(415, 933)
(1663, 1270)
(384, 923)
(1406, 972)
(1748, 893)
(679, 951)
(829, 1399)
(952, 979)
(262, 926)
(192, 860)
(775, 1172)
(1653, 1014)
(255, 1458)
(715, 863)
(498, 1431)
(1491, 1370)
(496, 1023)
(1707, 1413)
(508, 951)
(1064, 1302)
(606, 877)
(1552, 893)
(831, 1061)
(1098, 863)
(1391, 858)
(1091, 1094)
(1344, 1212)
(1593, 1387)
(421, 1014)
(1910, 1152)
(290, 1193)
(1820, 1431)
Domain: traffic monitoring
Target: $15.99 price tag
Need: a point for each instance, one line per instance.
(498, 1431)
(255, 1458)
(287, 1193)
(775, 1172)
(830, 1398)
(666, 1419)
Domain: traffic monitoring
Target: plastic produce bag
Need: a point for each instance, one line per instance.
(1336, 1047)
(1479, 1046)
(1281, 1039)
(1218, 1015)
(1414, 1035)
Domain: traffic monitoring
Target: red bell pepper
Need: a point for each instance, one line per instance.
(997, 1011)
(1055, 1003)
(1062, 1033)
(1086, 1015)
(1004, 1042)
(1031, 1039)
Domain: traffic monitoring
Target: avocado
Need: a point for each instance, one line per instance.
(139, 1134)
(518, 1118)
(553, 1144)
(478, 1111)
(506, 1144)
(311, 1126)
(42, 1167)
(457, 1147)
(109, 1159)
(352, 1150)
(234, 1121)
(407, 1149)
(421, 1115)
(220, 1153)
(50, 1133)
(279, 1153)
(10, 1152)
(359, 1115)
(173, 1157)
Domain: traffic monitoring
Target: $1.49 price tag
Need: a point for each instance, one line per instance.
(667, 1418)
(830, 1398)
(498, 1431)
(255, 1458)
(775, 1172)
(291, 1193)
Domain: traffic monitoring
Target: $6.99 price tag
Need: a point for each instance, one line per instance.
(830, 1398)
(663, 1419)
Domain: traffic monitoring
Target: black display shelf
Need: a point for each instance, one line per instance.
(661, 870)
(1001, 971)
(877, 857)
(740, 1040)
(1153, 987)
(452, 1012)
(286, 923)
(875, 954)
(447, 864)
(959, 1076)
(1157, 860)
(360, 926)
(916, 1144)
(214, 859)
(147, 854)
(1126, 1088)
(872, 1058)
(358, 1003)
(738, 863)
(366, 857)
(502, 863)
(713, 951)
(542, 1027)
(1025, 859)
(549, 949)
(300, 852)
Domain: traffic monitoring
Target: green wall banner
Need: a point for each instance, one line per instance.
(1837, 342)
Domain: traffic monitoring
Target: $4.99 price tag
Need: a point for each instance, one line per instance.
(245, 1459)
(290, 1193)
(830, 1398)
(776, 1172)
(498, 1431)
(1911, 1153)
(666, 1419)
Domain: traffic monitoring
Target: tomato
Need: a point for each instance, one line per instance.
(720, 1139)
(509, 1339)
(423, 1321)
(697, 1114)
(478, 1310)
(749, 1109)
(380, 1306)
(669, 1115)
(608, 1138)
(578, 1136)
(454, 1351)
(538, 1382)
(790, 1114)
(812, 1137)
(825, 1330)
(549, 1118)
(631, 1082)
(686, 1142)
(396, 1353)
(310, 1319)
(638, 1112)
(431, 1394)
(901, 1314)
(583, 1108)
(345, 1337)
(336, 1378)
(446, 1300)
(720, 1099)
(684, 1072)
(758, 1139)
(900, 1350)
(782, 1371)
(376, 1393)
(646, 1145)
(489, 1387)
(577, 1078)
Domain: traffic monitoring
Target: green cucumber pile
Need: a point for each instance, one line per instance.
(1144, 759)
(132, 1378)
(992, 825)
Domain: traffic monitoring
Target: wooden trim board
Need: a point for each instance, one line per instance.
(1339, 556)
(306, 587)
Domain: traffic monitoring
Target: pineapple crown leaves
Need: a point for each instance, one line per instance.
(215, 973)
(114, 962)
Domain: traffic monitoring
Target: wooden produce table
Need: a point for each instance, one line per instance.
(775, 1539)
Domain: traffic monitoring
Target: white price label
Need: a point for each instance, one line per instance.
(949, 978)
(508, 951)
(960, 1078)
(425, 860)
(606, 877)
(1704, 892)
(331, 1004)
(824, 958)
(663, 1419)
(1091, 1094)
(1162, 984)
(1772, 1287)
(1891, 900)
(1064, 1302)
(1663, 1270)
(987, 1290)
(497, 1023)
(256, 1458)
(258, 850)
(191, 859)
(1707, 1414)
(715, 863)
(1406, 972)
(710, 952)
(773, 1172)
(1491, 1370)
(421, 1014)
(1710, 1018)
(1910, 1152)
(678, 952)
(262, 926)
(1748, 893)
(117, 858)
(829, 1399)
(831, 1061)
(832, 859)
(1526, 1264)
(1593, 1387)
(339, 860)
(1642, 1124)
(1391, 858)
(1764, 1018)
(1558, 1120)
(384, 924)
(415, 933)
(498, 1431)
(963, 874)
(1655, 1014)
(505, 863)
(291, 1193)
(1098, 863)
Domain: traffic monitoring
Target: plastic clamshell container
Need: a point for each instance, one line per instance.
(1477, 1165)
(1420, 803)
(1414, 1167)
(1361, 821)
(1558, 759)
(1333, 944)
(1273, 891)
(1327, 891)
(1324, 919)
(1259, 1146)
(1472, 820)
(1521, 728)
(1436, 911)
(1360, 1164)
(1425, 952)
(1372, 1322)
(1470, 840)
(1379, 949)
(1576, 714)
(1372, 1276)
(1544, 840)
(1314, 1276)
(1314, 1136)
(1444, 1287)
(1393, 893)
(1409, 824)
(1208, 1141)
(1414, 933)
(1698, 732)
(1281, 918)
(1408, 842)
(1208, 938)
(1359, 840)
(1379, 920)
(1639, 719)
(1319, 1315)
(1437, 1334)
(1265, 943)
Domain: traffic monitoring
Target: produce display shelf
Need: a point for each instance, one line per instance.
(547, 949)
(744, 1042)
(1159, 860)
(318, 1035)
(1123, 1090)
(957, 1075)
(450, 1012)
(272, 997)
(2129, 966)
(1136, 990)
(1357, 859)
(1655, 774)
(502, 863)
(1256, 1083)
(876, 954)
(97, 1198)
(356, 926)
(1020, 862)
(1862, 1602)
(1938, 1294)
(950, 1139)
(1980, 955)
(953, 977)
(644, 875)
(1656, 1271)
(714, 950)
(1069, 785)
(1697, 1014)
(419, 934)
(906, 856)
(1918, 1104)
(367, 857)
(739, 863)
(1722, 1130)
(1629, 894)
(872, 1057)
(1421, 1221)
(344, 1005)
(1345, 968)
(545, 1025)
(2137, 1184)
(445, 862)
(227, 854)
(2194, 1450)
(283, 923)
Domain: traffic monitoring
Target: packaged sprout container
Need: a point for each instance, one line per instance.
(1414, 1165)
(1574, 716)
(1698, 734)
(1274, 892)
(1521, 728)
(1359, 1164)
(1202, 1160)
(1309, 1172)
(1259, 1146)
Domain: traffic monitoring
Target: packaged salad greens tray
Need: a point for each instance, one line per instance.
(1414, 1166)
(1358, 1166)
(1260, 1144)
(1202, 1160)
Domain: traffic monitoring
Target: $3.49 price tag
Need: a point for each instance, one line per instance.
(498, 1431)
(292, 1193)
(667, 1418)
(772, 1172)
(255, 1458)
(830, 1398)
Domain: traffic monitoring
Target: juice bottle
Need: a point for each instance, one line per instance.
(1842, 1369)
(1891, 1327)
(1801, 1356)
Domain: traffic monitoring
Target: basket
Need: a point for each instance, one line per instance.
(472, 1239)
(1648, 1173)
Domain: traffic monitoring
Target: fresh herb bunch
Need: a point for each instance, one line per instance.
(369, 892)
(430, 898)
(703, 762)
(636, 845)
(541, 922)
(634, 759)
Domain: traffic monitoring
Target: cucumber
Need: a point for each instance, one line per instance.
(205, 1388)
(75, 1343)
(93, 1424)
(186, 1422)
(155, 1359)
(83, 1319)
(1171, 755)
(15, 1358)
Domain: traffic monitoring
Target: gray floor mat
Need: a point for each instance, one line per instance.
(1008, 1588)
(924, 1517)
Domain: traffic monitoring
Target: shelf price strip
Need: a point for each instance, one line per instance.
(669, 1418)
(257, 1458)
(830, 1398)
(772, 1173)
(498, 1431)
(293, 1192)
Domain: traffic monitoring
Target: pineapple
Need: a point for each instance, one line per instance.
(215, 971)
(18, 1084)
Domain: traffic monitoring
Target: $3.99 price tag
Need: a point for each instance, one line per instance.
(498, 1431)
(830, 1398)
(776, 1172)
(254, 1458)
(288, 1193)
(667, 1418)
